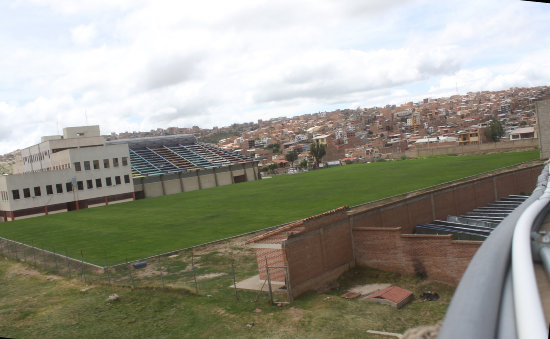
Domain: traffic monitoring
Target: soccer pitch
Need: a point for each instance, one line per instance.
(147, 227)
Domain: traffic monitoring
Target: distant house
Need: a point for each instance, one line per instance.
(523, 133)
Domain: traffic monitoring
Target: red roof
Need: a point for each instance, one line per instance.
(294, 226)
(393, 293)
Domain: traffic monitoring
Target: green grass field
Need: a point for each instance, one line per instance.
(147, 227)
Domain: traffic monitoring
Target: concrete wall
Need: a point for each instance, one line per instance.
(543, 125)
(436, 257)
(492, 147)
(167, 184)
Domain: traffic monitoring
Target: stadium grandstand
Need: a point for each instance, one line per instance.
(177, 153)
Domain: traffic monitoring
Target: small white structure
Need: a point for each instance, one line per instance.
(523, 133)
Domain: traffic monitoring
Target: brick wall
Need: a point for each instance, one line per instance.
(320, 254)
(319, 249)
(436, 257)
(438, 203)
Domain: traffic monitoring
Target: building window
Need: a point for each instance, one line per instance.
(115, 162)
(49, 189)
(37, 192)
(117, 180)
(15, 194)
(96, 164)
(86, 165)
(77, 166)
(105, 163)
(108, 181)
(59, 188)
(69, 187)
(126, 179)
(89, 184)
(98, 183)
(80, 185)
(26, 192)
(124, 161)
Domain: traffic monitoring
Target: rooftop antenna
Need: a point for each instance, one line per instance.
(86, 116)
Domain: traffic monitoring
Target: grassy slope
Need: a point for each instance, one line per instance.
(38, 306)
(146, 227)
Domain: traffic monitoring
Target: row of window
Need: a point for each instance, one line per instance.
(69, 187)
(36, 157)
(95, 163)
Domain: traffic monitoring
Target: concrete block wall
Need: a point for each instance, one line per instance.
(543, 126)
(493, 147)
(436, 257)
(167, 184)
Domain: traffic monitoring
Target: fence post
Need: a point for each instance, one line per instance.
(33, 253)
(107, 269)
(25, 253)
(268, 282)
(234, 282)
(55, 259)
(68, 263)
(194, 273)
(288, 288)
(43, 259)
(130, 273)
(161, 276)
(82, 263)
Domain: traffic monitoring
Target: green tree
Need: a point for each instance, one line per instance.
(494, 130)
(317, 151)
(275, 148)
(303, 164)
(291, 156)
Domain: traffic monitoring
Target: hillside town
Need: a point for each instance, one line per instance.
(369, 134)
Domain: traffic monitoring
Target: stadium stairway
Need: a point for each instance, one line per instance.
(475, 225)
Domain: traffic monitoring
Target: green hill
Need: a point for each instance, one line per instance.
(146, 227)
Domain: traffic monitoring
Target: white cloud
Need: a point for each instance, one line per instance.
(140, 65)
(83, 35)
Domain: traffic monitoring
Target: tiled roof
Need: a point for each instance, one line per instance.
(393, 293)
(294, 226)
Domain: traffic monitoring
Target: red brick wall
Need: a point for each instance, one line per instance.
(275, 257)
(320, 255)
(436, 257)
(442, 202)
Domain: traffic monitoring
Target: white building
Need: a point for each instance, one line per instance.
(63, 173)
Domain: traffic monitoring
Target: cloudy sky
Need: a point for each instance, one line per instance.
(136, 65)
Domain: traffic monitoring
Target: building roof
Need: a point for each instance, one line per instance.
(523, 130)
(294, 227)
(393, 293)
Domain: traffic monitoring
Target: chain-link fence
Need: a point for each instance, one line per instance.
(215, 271)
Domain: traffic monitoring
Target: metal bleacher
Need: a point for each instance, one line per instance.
(148, 162)
(153, 156)
(194, 158)
(477, 224)
(230, 156)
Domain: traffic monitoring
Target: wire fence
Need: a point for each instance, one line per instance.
(214, 271)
